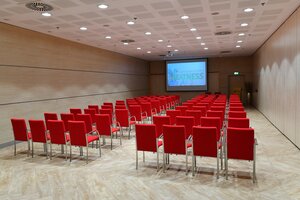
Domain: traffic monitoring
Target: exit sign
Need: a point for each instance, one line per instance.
(236, 73)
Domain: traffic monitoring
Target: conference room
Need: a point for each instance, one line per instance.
(152, 99)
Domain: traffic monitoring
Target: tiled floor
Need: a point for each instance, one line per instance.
(113, 176)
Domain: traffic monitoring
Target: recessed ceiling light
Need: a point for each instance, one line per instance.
(125, 43)
(139, 48)
(248, 10)
(198, 38)
(244, 24)
(148, 51)
(202, 43)
(160, 40)
(148, 33)
(241, 34)
(131, 23)
(46, 14)
(83, 28)
(193, 29)
(108, 37)
(185, 17)
(169, 46)
(239, 41)
(176, 50)
(237, 46)
(103, 6)
(205, 48)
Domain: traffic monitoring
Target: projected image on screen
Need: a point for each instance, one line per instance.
(187, 75)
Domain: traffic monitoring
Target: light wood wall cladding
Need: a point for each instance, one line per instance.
(225, 66)
(277, 78)
(41, 73)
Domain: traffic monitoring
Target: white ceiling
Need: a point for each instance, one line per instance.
(162, 19)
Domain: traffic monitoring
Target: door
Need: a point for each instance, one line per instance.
(237, 86)
(213, 82)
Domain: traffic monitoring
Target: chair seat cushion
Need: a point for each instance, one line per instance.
(29, 135)
(48, 136)
(159, 143)
(132, 122)
(92, 138)
(189, 145)
(115, 130)
(67, 137)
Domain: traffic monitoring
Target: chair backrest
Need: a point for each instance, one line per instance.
(91, 112)
(212, 122)
(19, 129)
(66, 117)
(159, 121)
(173, 114)
(146, 107)
(236, 109)
(188, 104)
(146, 137)
(108, 103)
(57, 131)
(120, 106)
(108, 107)
(50, 116)
(108, 112)
(237, 104)
(196, 114)
(205, 141)
(218, 108)
(182, 109)
(77, 133)
(87, 119)
(120, 102)
(75, 111)
(238, 122)
(156, 104)
(38, 130)
(203, 109)
(135, 110)
(122, 116)
(103, 124)
(95, 107)
(188, 122)
(214, 113)
(240, 143)
(174, 139)
(237, 114)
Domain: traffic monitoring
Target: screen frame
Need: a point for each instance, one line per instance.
(189, 59)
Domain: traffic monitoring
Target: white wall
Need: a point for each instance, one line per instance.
(277, 78)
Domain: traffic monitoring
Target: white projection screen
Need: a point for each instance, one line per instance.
(186, 75)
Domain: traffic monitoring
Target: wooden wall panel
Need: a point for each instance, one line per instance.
(42, 73)
(276, 77)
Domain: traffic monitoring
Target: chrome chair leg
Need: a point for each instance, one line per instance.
(15, 148)
(143, 156)
(87, 155)
(136, 161)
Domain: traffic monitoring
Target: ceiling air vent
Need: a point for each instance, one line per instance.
(223, 52)
(127, 41)
(223, 33)
(39, 6)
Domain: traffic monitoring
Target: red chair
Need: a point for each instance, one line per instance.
(182, 109)
(91, 112)
(236, 104)
(108, 104)
(108, 107)
(147, 108)
(120, 107)
(196, 114)
(50, 116)
(189, 105)
(175, 142)
(58, 134)
(212, 122)
(108, 112)
(136, 111)
(202, 109)
(147, 140)
(241, 145)
(75, 111)
(156, 105)
(206, 144)
(66, 117)
(173, 114)
(87, 119)
(220, 114)
(188, 122)
(122, 117)
(79, 136)
(39, 134)
(218, 108)
(20, 133)
(104, 128)
(238, 123)
(95, 107)
(237, 114)
(236, 109)
(120, 102)
(159, 121)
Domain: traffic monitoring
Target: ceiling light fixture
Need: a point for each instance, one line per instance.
(103, 6)
(108, 37)
(46, 14)
(130, 22)
(205, 48)
(169, 46)
(176, 50)
(125, 43)
(202, 44)
(83, 28)
(160, 40)
(193, 29)
(198, 38)
(148, 51)
(148, 33)
(237, 46)
(239, 41)
(248, 10)
(139, 48)
(241, 34)
(185, 17)
(244, 24)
